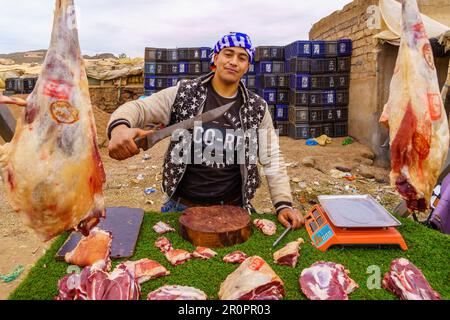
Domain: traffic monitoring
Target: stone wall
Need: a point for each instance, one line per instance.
(109, 98)
(351, 23)
(372, 67)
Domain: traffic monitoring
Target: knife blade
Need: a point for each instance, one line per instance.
(282, 236)
(152, 137)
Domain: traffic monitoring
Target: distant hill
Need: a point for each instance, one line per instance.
(101, 56)
(38, 56)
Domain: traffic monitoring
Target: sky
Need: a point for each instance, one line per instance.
(129, 26)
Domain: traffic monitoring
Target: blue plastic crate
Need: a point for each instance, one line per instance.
(283, 96)
(149, 82)
(265, 81)
(300, 81)
(328, 129)
(206, 67)
(300, 48)
(161, 83)
(317, 49)
(251, 69)
(327, 65)
(281, 112)
(329, 115)
(341, 114)
(270, 95)
(172, 68)
(150, 68)
(183, 67)
(172, 55)
(329, 97)
(278, 67)
(263, 67)
(244, 80)
(205, 53)
(322, 98)
(299, 98)
(331, 48)
(344, 47)
(283, 80)
(172, 81)
(304, 131)
(342, 81)
(251, 81)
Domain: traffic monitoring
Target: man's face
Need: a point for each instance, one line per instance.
(231, 64)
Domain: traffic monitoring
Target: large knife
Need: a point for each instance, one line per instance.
(153, 137)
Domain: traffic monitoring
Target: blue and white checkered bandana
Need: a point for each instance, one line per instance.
(235, 39)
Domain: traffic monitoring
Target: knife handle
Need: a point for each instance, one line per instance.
(141, 143)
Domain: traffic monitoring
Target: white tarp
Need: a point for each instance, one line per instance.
(391, 13)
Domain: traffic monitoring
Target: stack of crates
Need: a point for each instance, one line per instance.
(319, 78)
(20, 85)
(165, 67)
(249, 79)
(272, 84)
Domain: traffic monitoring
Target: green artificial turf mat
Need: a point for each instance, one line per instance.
(429, 250)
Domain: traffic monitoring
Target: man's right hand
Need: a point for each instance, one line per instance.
(122, 145)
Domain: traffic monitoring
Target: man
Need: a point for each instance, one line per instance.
(206, 180)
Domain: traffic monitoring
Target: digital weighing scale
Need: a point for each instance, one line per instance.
(356, 220)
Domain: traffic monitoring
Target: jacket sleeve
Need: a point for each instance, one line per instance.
(141, 113)
(274, 167)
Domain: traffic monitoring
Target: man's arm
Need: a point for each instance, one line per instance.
(129, 121)
(275, 171)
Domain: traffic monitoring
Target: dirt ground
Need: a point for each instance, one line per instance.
(20, 246)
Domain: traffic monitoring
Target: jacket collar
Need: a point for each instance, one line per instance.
(208, 77)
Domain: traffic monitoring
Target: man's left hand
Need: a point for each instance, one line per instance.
(292, 217)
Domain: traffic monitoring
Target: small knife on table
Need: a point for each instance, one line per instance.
(153, 137)
(282, 236)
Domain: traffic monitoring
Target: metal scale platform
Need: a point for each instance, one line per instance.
(356, 220)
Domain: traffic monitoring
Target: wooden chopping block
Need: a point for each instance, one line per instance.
(215, 226)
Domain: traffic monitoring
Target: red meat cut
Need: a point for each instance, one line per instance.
(326, 281)
(407, 282)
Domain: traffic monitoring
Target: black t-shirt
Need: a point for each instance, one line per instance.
(208, 181)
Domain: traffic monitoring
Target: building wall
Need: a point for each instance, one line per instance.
(109, 98)
(372, 67)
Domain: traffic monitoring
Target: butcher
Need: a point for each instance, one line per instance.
(228, 175)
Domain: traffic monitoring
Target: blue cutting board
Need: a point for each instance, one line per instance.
(124, 224)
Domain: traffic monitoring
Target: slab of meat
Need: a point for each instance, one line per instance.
(177, 293)
(254, 279)
(235, 257)
(177, 256)
(144, 270)
(327, 281)
(93, 249)
(52, 168)
(163, 244)
(162, 227)
(204, 253)
(266, 226)
(288, 255)
(415, 115)
(94, 284)
(407, 282)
